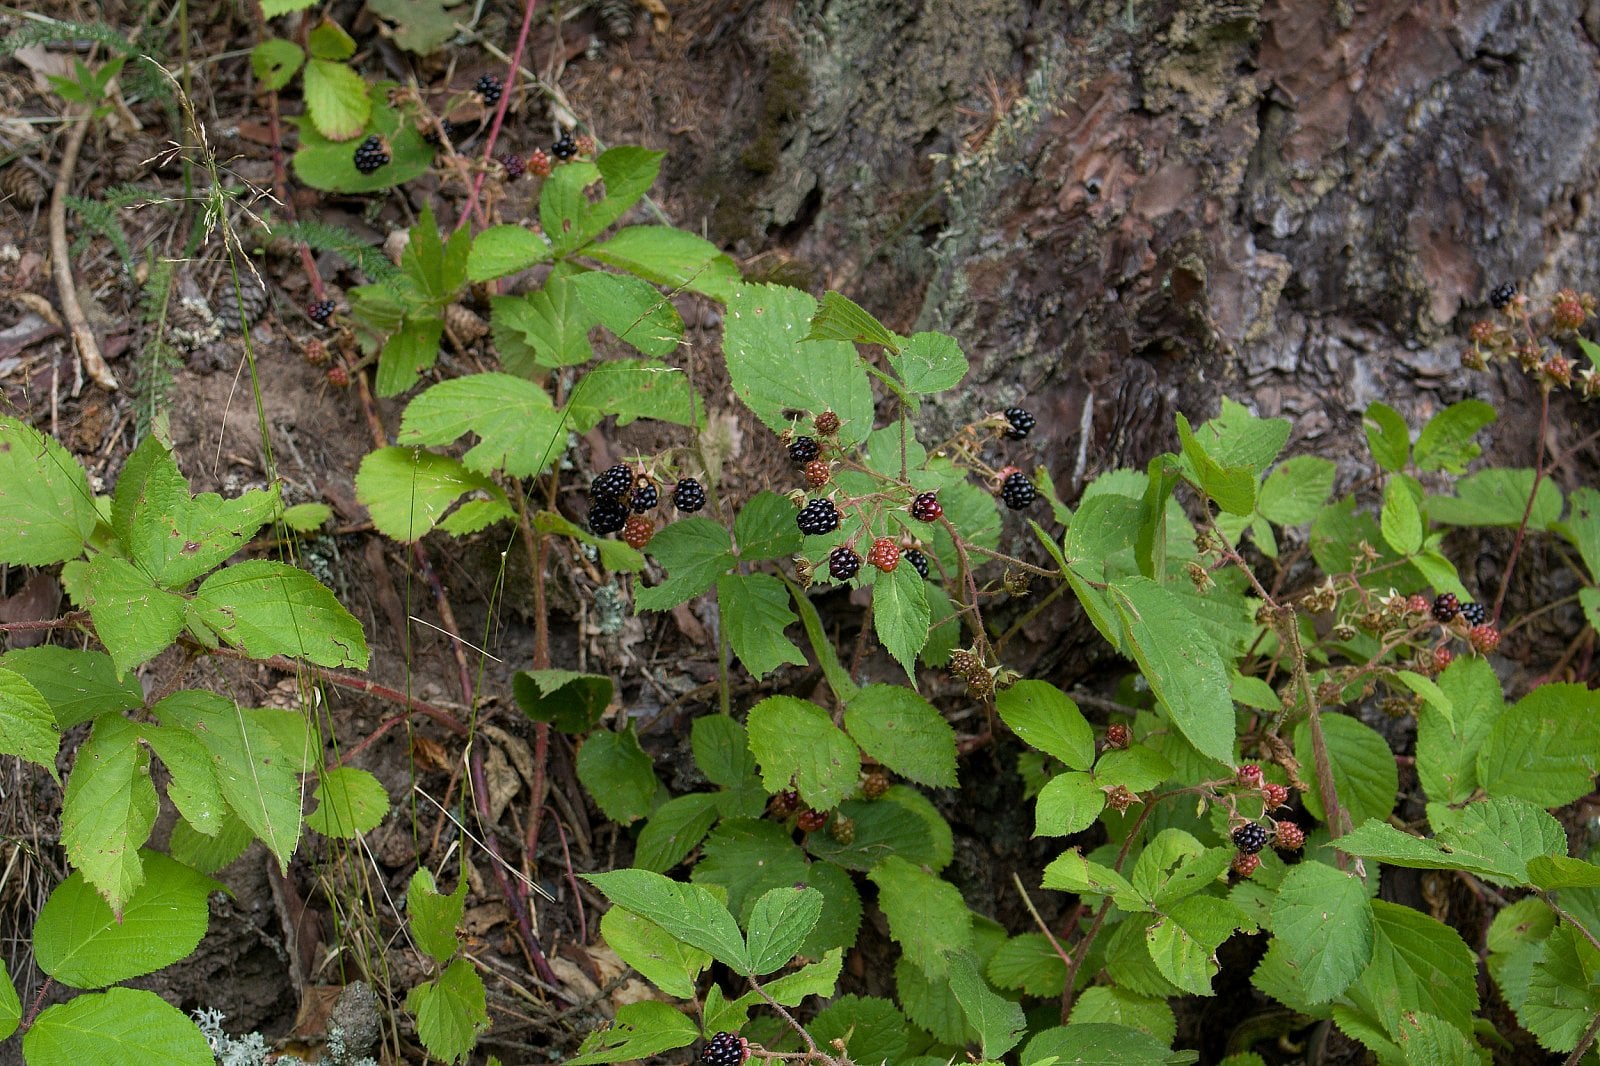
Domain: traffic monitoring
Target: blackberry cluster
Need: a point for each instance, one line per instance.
(1476, 614)
(320, 311)
(1018, 491)
(885, 554)
(1022, 423)
(606, 515)
(637, 531)
(431, 135)
(818, 518)
(843, 563)
(810, 821)
(804, 449)
(918, 561)
(1503, 295)
(1250, 838)
(489, 87)
(514, 164)
(371, 154)
(926, 508)
(689, 496)
(1290, 837)
(613, 484)
(539, 164)
(725, 1049)
(1446, 607)
(827, 423)
(564, 147)
(818, 473)
(645, 495)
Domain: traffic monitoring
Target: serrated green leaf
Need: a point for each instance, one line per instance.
(618, 775)
(1184, 669)
(117, 1027)
(904, 732)
(840, 318)
(422, 26)
(927, 916)
(78, 685)
(1545, 748)
(1071, 872)
(502, 250)
(688, 912)
(1324, 921)
(350, 802)
(306, 517)
(1418, 964)
(1551, 872)
(433, 916)
(409, 490)
(632, 309)
(1498, 497)
(409, 351)
(83, 944)
(1296, 489)
(208, 854)
(1096, 1044)
(794, 740)
(450, 1011)
(748, 857)
(1388, 437)
(669, 256)
(641, 1030)
(547, 328)
(900, 615)
(779, 923)
(1447, 749)
(675, 828)
(1045, 718)
(1562, 996)
(872, 1029)
(27, 726)
(1000, 1022)
(328, 40)
(265, 608)
(1030, 964)
(930, 1004)
(47, 512)
(836, 929)
(930, 363)
(573, 702)
(1364, 772)
(1445, 443)
(274, 8)
(257, 774)
(330, 165)
(275, 62)
(1233, 488)
(1493, 838)
(517, 429)
(109, 809)
(1069, 803)
(764, 528)
(1112, 1005)
(694, 552)
(1401, 519)
(755, 612)
(629, 389)
(133, 618)
(1183, 942)
(662, 959)
(193, 788)
(774, 370)
(721, 750)
(336, 99)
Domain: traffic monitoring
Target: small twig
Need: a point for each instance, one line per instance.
(1527, 512)
(1584, 1043)
(515, 65)
(90, 360)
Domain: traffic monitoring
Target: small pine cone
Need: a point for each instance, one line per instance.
(874, 784)
(1244, 864)
(784, 804)
(818, 473)
(1441, 658)
(1120, 799)
(316, 352)
(842, 830)
(964, 664)
(1484, 639)
(1248, 775)
(464, 324)
(1275, 795)
(22, 187)
(1290, 837)
(810, 821)
(638, 530)
(827, 424)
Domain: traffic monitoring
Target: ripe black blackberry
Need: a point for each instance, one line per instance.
(489, 87)
(843, 563)
(613, 484)
(1250, 838)
(606, 516)
(431, 137)
(926, 508)
(1022, 423)
(564, 147)
(689, 496)
(725, 1049)
(818, 518)
(371, 154)
(1446, 607)
(645, 495)
(515, 166)
(1018, 491)
(1503, 295)
(918, 561)
(804, 449)
(1476, 614)
(319, 311)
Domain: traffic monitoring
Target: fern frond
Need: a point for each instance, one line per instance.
(341, 242)
(100, 217)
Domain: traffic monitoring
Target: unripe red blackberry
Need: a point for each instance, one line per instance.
(874, 784)
(1290, 837)
(1248, 775)
(818, 518)
(827, 424)
(1017, 491)
(1120, 798)
(637, 531)
(804, 449)
(1484, 639)
(613, 484)
(1250, 838)
(645, 495)
(689, 496)
(339, 377)
(918, 561)
(843, 563)
(1441, 658)
(316, 352)
(1502, 295)
(818, 473)
(371, 154)
(784, 804)
(539, 163)
(1446, 607)
(1274, 795)
(885, 554)
(1244, 865)
(725, 1049)
(319, 311)
(586, 146)
(606, 515)
(1022, 423)
(926, 508)
(1417, 604)
(1116, 736)
(964, 664)
(810, 820)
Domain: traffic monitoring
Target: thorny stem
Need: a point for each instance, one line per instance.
(1533, 493)
(812, 1051)
(1584, 1043)
(513, 67)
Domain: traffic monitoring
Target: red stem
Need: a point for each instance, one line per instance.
(499, 112)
